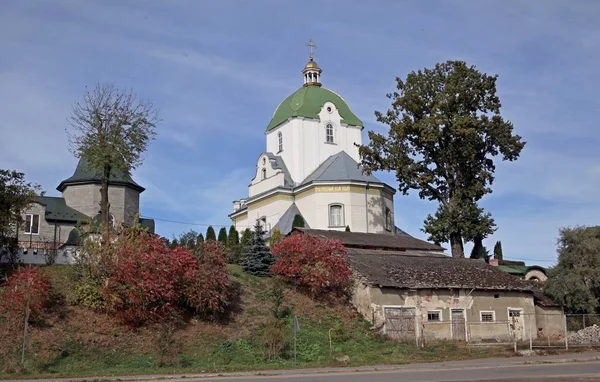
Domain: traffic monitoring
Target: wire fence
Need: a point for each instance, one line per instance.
(521, 331)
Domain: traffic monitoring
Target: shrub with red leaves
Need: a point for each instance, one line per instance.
(27, 284)
(209, 292)
(311, 262)
(146, 279)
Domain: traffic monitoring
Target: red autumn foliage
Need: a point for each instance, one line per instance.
(27, 284)
(311, 262)
(148, 281)
(209, 292)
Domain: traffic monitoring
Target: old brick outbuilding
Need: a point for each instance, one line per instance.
(410, 290)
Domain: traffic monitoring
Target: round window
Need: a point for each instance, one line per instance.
(329, 109)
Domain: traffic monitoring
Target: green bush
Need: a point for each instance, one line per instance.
(88, 295)
(276, 339)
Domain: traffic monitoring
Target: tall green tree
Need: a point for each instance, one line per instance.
(498, 250)
(222, 238)
(298, 221)
(445, 129)
(174, 243)
(246, 239)
(233, 239)
(258, 259)
(210, 233)
(479, 251)
(16, 194)
(275, 237)
(110, 130)
(199, 239)
(575, 280)
(188, 239)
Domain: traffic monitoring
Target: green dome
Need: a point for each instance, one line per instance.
(308, 102)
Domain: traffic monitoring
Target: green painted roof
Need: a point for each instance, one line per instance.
(57, 210)
(308, 102)
(514, 269)
(84, 174)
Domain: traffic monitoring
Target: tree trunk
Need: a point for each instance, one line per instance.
(104, 204)
(456, 245)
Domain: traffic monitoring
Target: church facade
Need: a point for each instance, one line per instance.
(310, 167)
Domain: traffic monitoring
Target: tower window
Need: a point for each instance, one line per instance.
(329, 133)
(280, 140)
(264, 160)
(32, 224)
(388, 219)
(264, 173)
(336, 215)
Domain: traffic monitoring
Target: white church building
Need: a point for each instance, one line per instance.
(310, 168)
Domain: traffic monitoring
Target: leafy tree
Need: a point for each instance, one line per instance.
(445, 130)
(575, 280)
(275, 238)
(223, 236)
(311, 262)
(233, 239)
(498, 250)
(111, 128)
(347, 228)
(210, 233)
(188, 239)
(15, 195)
(298, 221)
(258, 259)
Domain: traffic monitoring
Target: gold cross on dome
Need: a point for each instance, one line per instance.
(311, 48)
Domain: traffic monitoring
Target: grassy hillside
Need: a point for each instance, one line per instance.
(74, 341)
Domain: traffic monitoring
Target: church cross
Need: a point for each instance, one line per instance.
(311, 48)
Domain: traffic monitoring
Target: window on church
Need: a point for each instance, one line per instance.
(388, 219)
(329, 133)
(336, 215)
(264, 173)
(32, 224)
(280, 140)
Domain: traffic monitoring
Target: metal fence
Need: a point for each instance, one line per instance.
(521, 331)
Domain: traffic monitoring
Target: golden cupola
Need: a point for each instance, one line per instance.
(311, 71)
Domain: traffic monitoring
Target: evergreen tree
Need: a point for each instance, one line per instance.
(298, 221)
(347, 228)
(210, 233)
(275, 237)
(258, 259)
(200, 239)
(174, 243)
(223, 236)
(246, 240)
(498, 251)
(233, 239)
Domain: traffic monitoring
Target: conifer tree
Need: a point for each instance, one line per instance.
(246, 240)
(347, 228)
(298, 221)
(258, 259)
(200, 239)
(210, 233)
(275, 238)
(233, 239)
(498, 250)
(174, 243)
(223, 236)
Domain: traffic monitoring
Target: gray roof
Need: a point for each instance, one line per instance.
(432, 272)
(57, 210)
(382, 241)
(278, 164)
(287, 219)
(338, 167)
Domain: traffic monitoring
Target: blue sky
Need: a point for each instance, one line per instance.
(217, 70)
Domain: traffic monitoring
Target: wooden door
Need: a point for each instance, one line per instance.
(458, 325)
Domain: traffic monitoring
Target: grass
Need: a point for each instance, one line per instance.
(73, 341)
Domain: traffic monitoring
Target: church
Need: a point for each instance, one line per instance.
(310, 167)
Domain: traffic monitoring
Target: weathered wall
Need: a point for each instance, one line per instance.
(550, 321)
(372, 301)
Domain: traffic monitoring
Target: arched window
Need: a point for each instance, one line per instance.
(264, 160)
(388, 219)
(329, 133)
(336, 215)
(280, 140)
(264, 173)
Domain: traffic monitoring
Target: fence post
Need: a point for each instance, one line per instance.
(530, 334)
(566, 333)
